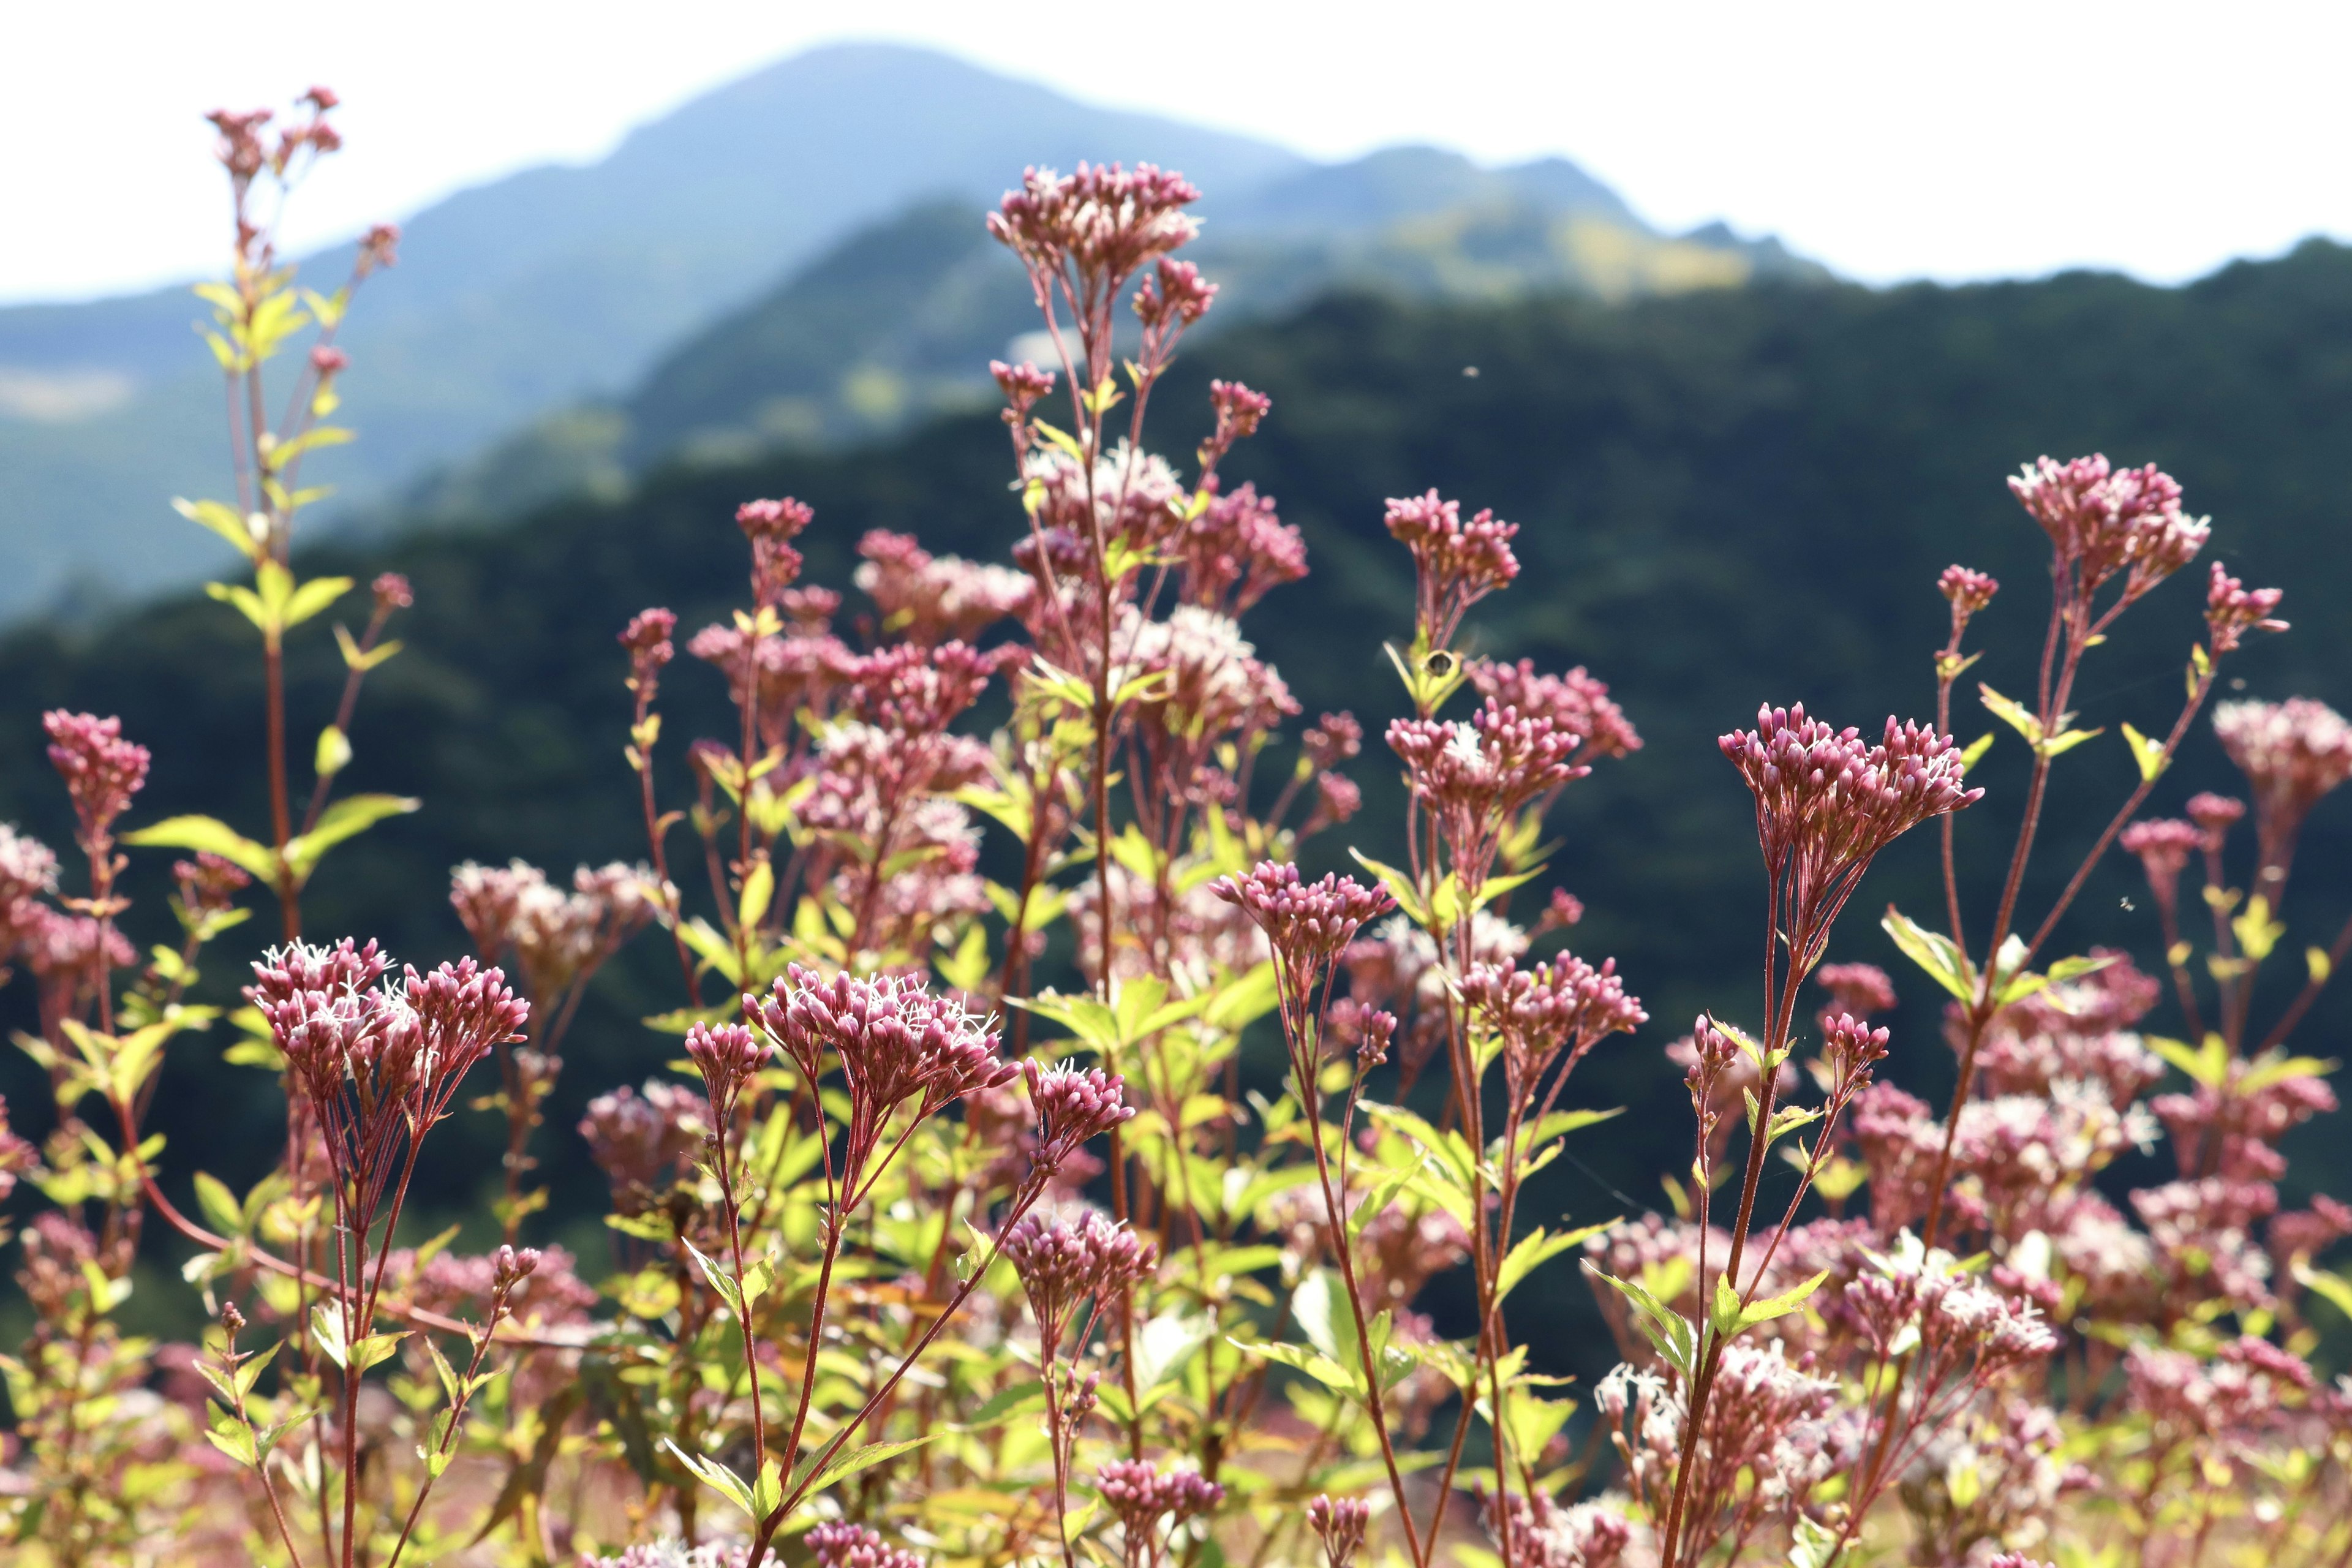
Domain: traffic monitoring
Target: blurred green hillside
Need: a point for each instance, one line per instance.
(1727, 497)
(522, 311)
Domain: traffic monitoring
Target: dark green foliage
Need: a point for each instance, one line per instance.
(1727, 497)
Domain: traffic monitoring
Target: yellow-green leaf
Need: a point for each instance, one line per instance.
(209, 833)
(2148, 754)
(2014, 714)
(1932, 951)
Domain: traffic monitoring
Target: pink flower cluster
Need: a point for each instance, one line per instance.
(379, 1066)
(1067, 1258)
(102, 770)
(2104, 520)
(1562, 1005)
(1574, 702)
(1827, 802)
(1456, 564)
(2292, 752)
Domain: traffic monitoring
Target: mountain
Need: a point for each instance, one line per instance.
(528, 293)
(897, 323)
(1727, 497)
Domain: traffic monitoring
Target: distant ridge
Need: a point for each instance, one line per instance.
(897, 321)
(793, 258)
(531, 291)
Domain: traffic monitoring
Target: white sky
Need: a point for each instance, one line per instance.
(1891, 138)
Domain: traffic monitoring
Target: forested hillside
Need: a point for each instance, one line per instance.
(1727, 497)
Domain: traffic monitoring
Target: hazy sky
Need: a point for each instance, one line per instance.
(1890, 139)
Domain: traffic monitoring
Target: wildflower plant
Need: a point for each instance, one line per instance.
(948, 1221)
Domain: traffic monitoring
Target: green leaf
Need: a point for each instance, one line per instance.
(1240, 1003)
(1976, 751)
(720, 1280)
(1538, 1247)
(1313, 1362)
(1780, 1306)
(2334, 1288)
(2067, 742)
(1932, 951)
(311, 598)
(1400, 886)
(2206, 1063)
(1018, 1399)
(2014, 714)
(715, 1475)
(2275, 1066)
(374, 1349)
(759, 891)
(209, 833)
(864, 1458)
(224, 520)
(1165, 1344)
(2148, 754)
(333, 754)
(346, 818)
(1667, 1328)
(326, 1329)
(356, 657)
(1317, 1305)
(220, 1205)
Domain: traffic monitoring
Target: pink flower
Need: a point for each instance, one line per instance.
(1563, 910)
(1073, 1106)
(2292, 752)
(1456, 564)
(1861, 989)
(1560, 1005)
(1338, 1523)
(2216, 813)
(1023, 385)
(1969, 591)
(1307, 923)
(727, 1056)
(771, 525)
(1574, 702)
(640, 1140)
(1332, 739)
(240, 151)
(1141, 1497)
(1177, 298)
(2231, 610)
(1239, 410)
(328, 362)
(1475, 776)
(1826, 803)
(103, 771)
(1545, 1535)
(2163, 846)
(381, 247)
(1236, 550)
(2103, 522)
(840, 1545)
(1095, 227)
(647, 638)
(1068, 1258)
(930, 599)
(28, 867)
(379, 1064)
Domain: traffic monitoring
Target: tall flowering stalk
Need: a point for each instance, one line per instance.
(378, 1066)
(257, 316)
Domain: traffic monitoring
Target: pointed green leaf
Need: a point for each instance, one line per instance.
(1932, 951)
(346, 818)
(2148, 754)
(209, 833)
